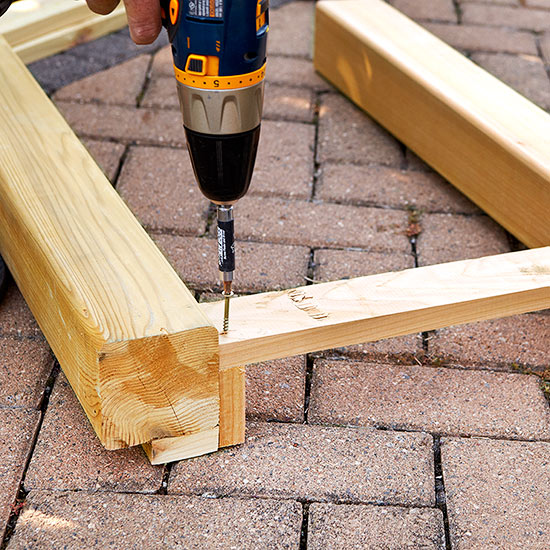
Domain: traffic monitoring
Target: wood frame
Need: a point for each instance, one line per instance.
(142, 356)
(139, 353)
(482, 136)
(39, 28)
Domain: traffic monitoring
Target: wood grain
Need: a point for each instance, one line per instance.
(232, 406)
(341, 313)
(39, 28)
(138, 351)
(170, 449)
(486, 139)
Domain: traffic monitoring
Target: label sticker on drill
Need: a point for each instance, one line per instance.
(206, 8)
(226, 246)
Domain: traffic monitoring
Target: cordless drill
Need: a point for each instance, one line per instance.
(219, 51)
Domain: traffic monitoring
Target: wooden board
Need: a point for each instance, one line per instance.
(341, 313)
(135, 346)
(487, 140)
(170, 449)
(232, 406)
(38, 28)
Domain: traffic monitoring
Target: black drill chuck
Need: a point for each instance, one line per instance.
(223, 164)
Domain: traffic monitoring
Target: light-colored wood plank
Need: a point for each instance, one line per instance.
(311, 318)
(138, 351)
(232, 406)
(38, 28)
(170, 449)
(486, 139)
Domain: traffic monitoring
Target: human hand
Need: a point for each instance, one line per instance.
(143, 17)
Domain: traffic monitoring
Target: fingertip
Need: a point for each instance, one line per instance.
(102, 7)
(145, 33)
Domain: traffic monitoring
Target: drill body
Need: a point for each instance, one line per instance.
(219, 51)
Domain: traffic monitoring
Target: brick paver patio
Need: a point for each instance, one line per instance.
(431, 441)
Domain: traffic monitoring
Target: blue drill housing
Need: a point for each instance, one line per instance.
(228, 30)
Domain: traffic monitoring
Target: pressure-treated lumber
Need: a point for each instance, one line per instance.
(231, 430)
(341, 313)
(135, 346)
(487, 140)
(38, 28)
(232, 406)
(170, 449)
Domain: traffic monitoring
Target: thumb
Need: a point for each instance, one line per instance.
(143, 19)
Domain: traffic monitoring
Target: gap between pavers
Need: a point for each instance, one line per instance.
(17, 430)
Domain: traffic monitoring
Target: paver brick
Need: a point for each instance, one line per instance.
(346, 134)
(522, 340)
(439, 400)
(69, 456)
(107, 154)
(333, 265)
(126, 124)
(261, 266)
(107, 520)
(506, 16)
(288, 103)
(304, 223)
(17, 429)
(477, 38)
(275, 390)
(384, 186)
(316, 463)
(159, 186)
(161, 93)
(341, 527)
(526, 74)
(291, 29)
(16, 317)
(435, 10)
(284, 165)
(497, 493)
(121, 84)
(446, 238)
(295, 72)
(24, 369)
